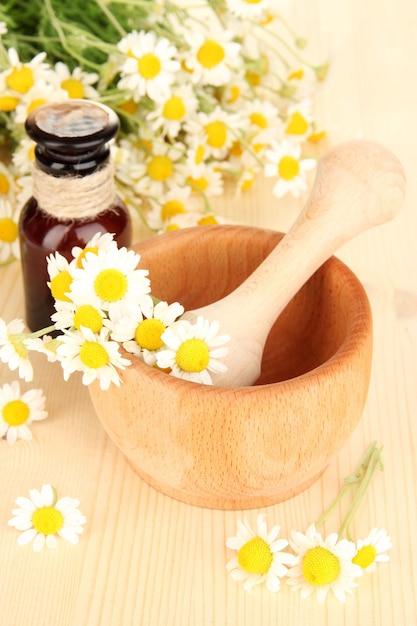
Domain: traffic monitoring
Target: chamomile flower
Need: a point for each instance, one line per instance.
(3, 28)
(93, 355)
(260, 555)
(235, 91)
(372, 549)
(24, 157)
(183, 220)
(220, 129)
(208, 181)
(301, 80)
(71, 315)
(170, 115)
(13, 350)
(77, 83)
(110, 281)
(9, 233)
(42, 517)
(262, 116)
(248, 9)
(21, 77)
(161, 169)
(144, 336)
(323, 565)
(211, 58)
(60, 273)
(149, 67)
(197, 153)
(6, 183)
(193, 350)
(46, 345)
(18, 410)
(41, 93)
(176, 201)
(100, 241)
(299, 120)
(286, 163)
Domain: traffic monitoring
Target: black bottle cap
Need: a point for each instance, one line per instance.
(72, 135)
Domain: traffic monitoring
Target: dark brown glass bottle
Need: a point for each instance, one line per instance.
(73, 196)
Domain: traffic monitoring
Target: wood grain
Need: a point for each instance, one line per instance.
(146, 559)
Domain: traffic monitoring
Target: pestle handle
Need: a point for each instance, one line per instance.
(359, 184)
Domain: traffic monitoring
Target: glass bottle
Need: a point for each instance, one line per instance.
(73, 194)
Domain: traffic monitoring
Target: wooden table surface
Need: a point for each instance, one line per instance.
(147, 560)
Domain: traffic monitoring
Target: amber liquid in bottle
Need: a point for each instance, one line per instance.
(79, 150)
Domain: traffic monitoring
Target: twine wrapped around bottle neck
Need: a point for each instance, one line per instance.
(74, 197)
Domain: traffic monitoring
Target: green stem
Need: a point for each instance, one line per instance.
(42, 332)
(373, 463)
(111, 18)
(363, 475)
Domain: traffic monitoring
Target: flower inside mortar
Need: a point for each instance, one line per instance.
(142, 334)
(193, 350)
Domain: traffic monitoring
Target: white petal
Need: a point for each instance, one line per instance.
(26, 537)
(39, 542)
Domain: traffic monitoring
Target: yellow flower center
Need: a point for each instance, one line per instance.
(174, 108)
(216, 134)
(160, 168)
(20, 79)
(253, 78)
(198, 184)
(83, 254)
(148, 334)
(252, 1)
(87, 316)
(208, 220)
(8, 230)
(193, 355)
(15, 412)
(93, 355)
(60, 285)
(37, 102)
(47, 520)
(234, 91)
(320, 566)
(149, 66)
(365, 556)
(297, 125)
(257, 119)
(317, 136)
(296, 75)
(288, 167)
(110, 285)
(4, 184)
(210, 54)
(236, 149)
(247, 182)
(18, 345)
(130, 106)
(8, 103)
(73, 87)
(171, 208)
(199, 154)
(255, 556)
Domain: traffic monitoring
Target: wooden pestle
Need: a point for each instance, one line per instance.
(359, 184)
